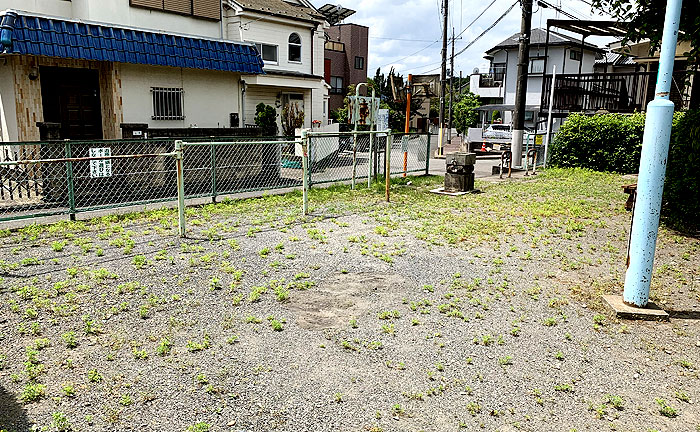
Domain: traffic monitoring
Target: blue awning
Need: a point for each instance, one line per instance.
(51, 37)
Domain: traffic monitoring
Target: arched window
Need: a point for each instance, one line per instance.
(294, 47)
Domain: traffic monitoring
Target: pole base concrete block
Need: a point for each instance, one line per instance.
(624, 311)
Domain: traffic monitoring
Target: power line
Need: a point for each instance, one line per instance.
(474, 40)
(411, 55)
(474, 20)
(488, 29)
(400, 39)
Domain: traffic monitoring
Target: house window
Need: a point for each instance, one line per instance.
(167, 103)
(336, 85)
(334, 46)
(210, 9)
(359, 62)
(536, 65)
(294, 48)
(529, 116)
(498, 71)
(267, 52)
(575, 55)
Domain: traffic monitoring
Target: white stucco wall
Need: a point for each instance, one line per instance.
(275, 31)
(118, 12)
(209, 96)
(556, 55)
(8, 108)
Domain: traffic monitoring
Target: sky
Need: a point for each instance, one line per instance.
(407, 34)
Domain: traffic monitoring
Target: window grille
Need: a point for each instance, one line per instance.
(167, 103)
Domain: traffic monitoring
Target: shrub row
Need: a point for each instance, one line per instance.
(613, 143)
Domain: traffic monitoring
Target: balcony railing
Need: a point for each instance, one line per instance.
(614, 92)
(486, 81)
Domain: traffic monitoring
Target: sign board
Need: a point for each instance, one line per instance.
(539, 139)
(361, 109)
(100, 168)
(382, 120)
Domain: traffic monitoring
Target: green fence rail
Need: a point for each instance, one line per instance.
(39, 179)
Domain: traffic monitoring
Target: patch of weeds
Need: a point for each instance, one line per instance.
(60, 422)
(70, 339)
(140, 354)
(139, 261)
(94, 376)
(565, 388)
(214, 283)
(473, 408)
(385, 315)
(198, 427)
(32, 392)
(68, 390)
(505, 361)
(199, 346)
(164, 347)
(682, 396)
(126, 400)
(665, 409)
(550, 322)
(276, 325)
(58, 246)
(615, 401)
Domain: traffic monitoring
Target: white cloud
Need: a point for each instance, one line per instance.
(420, 21)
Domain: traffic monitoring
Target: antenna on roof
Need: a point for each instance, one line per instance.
(335, 13)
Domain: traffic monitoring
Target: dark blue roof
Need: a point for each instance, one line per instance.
(32, 35)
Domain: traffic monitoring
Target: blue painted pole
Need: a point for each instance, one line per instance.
(652, 168)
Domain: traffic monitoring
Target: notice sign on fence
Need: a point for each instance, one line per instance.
(100, 168)
(382, 120)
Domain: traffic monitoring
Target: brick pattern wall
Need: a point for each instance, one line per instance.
(29, 102)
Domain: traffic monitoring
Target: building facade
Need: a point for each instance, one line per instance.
(92, 66)
(496, 86)
(345, 60)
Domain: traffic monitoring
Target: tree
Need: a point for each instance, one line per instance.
(465, 114)
(292, 118)
(646, 18)
(266, 119)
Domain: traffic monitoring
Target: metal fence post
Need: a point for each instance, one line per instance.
(69, 179)
(180, 188)
(305, 169)
(212, 157)
(369, 158)
(387, 167)
(427, 156)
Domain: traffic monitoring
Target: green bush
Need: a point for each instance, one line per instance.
(682, 189)
(266, 119)
(613, 143)
(603, 142)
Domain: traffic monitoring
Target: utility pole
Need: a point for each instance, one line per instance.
(443, 75)
(652, 168)
(452, 75)
(518, 122)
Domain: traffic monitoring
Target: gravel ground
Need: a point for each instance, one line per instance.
(431, 313)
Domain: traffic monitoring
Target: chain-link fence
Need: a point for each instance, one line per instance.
(70, 177)
(232, 166)
(337, 157)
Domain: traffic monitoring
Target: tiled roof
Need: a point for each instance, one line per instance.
(52, 37)
(616, 59)
(538, 36)
(281, 8)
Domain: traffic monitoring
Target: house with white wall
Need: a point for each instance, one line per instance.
(496, 85)
(290, 36)
(91, 66)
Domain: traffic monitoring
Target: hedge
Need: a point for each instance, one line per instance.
(613, 143)
(682, 189)
(604, 142)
